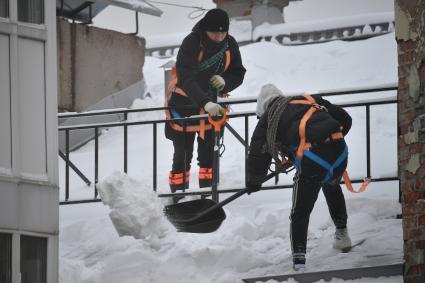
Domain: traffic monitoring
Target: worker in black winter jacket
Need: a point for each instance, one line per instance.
(324, 141)
(208, 65)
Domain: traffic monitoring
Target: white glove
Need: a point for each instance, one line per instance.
(213, 109)
(217, 82)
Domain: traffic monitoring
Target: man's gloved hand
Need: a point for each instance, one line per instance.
(217, 82)
(213, 109)
(251, 188)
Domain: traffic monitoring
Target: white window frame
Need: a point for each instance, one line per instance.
(14, 29)
(52, 252)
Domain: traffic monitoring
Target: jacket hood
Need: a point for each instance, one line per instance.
(267, 93)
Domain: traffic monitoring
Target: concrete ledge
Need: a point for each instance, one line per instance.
(346, 274)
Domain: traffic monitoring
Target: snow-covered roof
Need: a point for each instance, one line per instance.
(82, 10)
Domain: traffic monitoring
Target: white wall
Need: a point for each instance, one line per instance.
(32, 109)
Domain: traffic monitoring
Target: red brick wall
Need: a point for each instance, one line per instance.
(411, 57)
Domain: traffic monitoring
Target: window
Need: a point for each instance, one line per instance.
(33, 259)
(5, 258)
(4, 8)
(31, 11)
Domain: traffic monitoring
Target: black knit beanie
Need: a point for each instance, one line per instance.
(215, 20)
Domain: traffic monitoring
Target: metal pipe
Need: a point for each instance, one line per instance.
(242, 101)
(96, 160)
(73, 167)
(368, 173)
(137, 25)
(125, 143)
(246, 148)
(67, 165)
(214, 191)
(155, 158)
(196, 118)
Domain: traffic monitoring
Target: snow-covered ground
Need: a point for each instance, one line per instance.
(254, 239)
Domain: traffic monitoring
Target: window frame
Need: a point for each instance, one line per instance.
(7, 10)
(41, 255)
(8, 258)
(38, 19)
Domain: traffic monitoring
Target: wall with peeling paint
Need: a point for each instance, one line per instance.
(94, 63)
(410, 35)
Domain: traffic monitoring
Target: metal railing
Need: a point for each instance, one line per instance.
(244, 141)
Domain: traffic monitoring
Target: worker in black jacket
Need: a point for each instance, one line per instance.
(284, 125)
(208, 65)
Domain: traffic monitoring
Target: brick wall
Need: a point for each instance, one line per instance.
(410, 37)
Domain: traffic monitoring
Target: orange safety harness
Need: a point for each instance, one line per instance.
(172, 87)
(304, 146)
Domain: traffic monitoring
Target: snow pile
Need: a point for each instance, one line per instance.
(135, 209)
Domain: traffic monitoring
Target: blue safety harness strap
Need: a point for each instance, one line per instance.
(330, 168)
(314, 157)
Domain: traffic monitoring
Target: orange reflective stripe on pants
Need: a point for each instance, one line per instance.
(205, 173)
(177, 178)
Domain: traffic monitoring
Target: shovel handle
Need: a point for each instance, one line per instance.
(232, 197)
(218, 123)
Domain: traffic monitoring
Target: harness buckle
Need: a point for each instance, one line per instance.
(323, 108)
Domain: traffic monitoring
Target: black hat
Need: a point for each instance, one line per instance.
(215, 20)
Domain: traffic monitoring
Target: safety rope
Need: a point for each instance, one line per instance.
(275, 111)
(216, 58)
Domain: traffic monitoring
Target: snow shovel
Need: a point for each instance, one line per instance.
(201, 215)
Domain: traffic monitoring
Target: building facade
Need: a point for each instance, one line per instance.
(410, 35)
(29, 194)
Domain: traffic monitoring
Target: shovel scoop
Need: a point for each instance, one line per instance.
(198, 216)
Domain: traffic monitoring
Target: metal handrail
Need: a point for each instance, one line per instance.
(243, 140)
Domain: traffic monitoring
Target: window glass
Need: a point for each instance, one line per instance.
(4, 8)
(5, 258)
(33, 259)
(31, 11)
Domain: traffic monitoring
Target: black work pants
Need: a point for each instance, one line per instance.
(307, 185)
(183, 151)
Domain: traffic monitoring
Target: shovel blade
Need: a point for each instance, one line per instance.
(186, 216)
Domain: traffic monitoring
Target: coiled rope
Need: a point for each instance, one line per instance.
(276, 109)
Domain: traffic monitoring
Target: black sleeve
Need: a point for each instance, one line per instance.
(187, 66)
(259, 159)
(338, 113)
(234, 75)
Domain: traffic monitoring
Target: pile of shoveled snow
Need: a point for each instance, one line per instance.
(135, 209)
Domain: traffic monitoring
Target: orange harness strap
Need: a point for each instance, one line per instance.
(306, 146)
(173, 88)
(310, 101)
(349, 186)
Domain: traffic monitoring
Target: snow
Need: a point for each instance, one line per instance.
(254, 239)
(324, 24)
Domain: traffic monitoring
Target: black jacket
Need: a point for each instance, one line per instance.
(319, 127)
(195, 83)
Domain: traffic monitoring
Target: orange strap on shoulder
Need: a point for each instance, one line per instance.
(349, 186)
(309, 100)
(226, 65)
